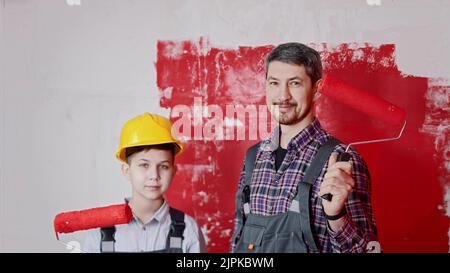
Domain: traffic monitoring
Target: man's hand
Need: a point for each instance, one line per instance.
(339, 182)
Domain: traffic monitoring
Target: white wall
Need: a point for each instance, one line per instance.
(71, 75)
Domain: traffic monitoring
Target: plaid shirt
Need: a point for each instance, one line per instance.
(271, 191)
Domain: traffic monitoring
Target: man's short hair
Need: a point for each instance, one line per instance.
(299, 54)
(166, 146)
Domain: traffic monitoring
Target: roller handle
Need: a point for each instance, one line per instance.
(343, 157)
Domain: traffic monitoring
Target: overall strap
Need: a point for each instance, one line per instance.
(304, 189)
(250, 159)
(243, 195)
(107, 239)
(175, 236)
(322, 156)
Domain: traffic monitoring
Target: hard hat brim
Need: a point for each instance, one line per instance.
(120, 152)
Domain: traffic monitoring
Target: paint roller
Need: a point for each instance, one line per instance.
(365, 102)
(67, 222)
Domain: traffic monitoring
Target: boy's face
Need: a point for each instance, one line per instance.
(150, 173)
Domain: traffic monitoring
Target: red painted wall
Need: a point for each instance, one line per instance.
(408, 175)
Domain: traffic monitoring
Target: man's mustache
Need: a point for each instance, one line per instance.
(285, 103)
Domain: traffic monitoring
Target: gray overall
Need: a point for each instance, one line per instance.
(174, 238)
(284, 232)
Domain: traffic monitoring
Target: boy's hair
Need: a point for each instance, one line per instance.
(299, 54)
(166, 146)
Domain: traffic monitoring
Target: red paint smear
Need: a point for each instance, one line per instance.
(405, 173)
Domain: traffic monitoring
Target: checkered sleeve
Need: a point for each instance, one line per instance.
(359, 225)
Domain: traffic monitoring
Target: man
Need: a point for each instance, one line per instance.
(278, 205)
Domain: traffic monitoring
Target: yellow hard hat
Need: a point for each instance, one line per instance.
(146, 129)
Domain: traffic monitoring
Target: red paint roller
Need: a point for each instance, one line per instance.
(364, 102)
(67, 222)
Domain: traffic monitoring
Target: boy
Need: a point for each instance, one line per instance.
(147, 151)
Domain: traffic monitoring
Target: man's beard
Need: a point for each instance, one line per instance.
(290, 117)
